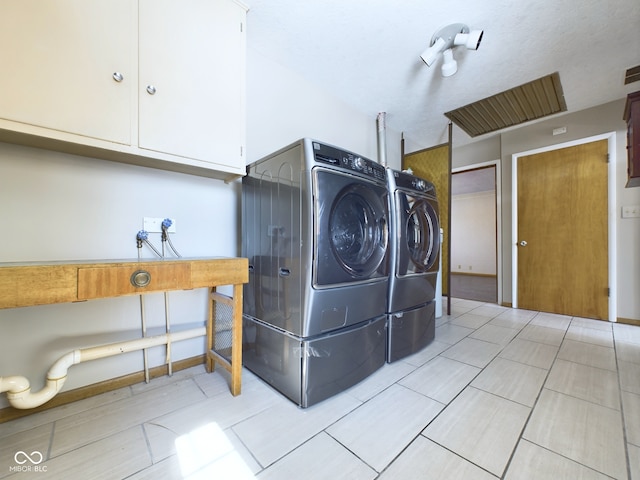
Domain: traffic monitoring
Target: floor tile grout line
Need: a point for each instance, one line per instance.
(363, 460)
(569, 459)
(147, 442)
(361, 403)
(396, 382)
(125, 428)
(458, 455)
(543, 387)
(414, 368)
(622, 416)
(468, 385)
(51, 434)
(535, 403)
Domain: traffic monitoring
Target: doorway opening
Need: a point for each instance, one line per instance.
(475, 235)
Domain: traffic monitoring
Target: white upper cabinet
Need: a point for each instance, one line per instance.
(191, 102)
(159, 83)
(59, 59)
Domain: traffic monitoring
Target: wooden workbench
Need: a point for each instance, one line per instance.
(44, 283)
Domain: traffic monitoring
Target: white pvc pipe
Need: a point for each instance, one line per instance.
(143, 320)
(382, 138)
(168, 330)
(18, 388)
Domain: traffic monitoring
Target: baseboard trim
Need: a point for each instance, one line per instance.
(9, 413)
(470, 274)
(628, 321)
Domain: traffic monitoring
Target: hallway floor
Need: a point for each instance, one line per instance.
(481, 288)
(500, 393)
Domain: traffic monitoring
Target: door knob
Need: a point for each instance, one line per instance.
(523, 243)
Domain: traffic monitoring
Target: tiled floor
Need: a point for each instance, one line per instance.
(500, 393)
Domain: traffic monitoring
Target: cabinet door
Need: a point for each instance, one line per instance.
(632, 117)
(192, 55)
(58, 60)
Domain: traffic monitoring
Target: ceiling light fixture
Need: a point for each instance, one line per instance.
(445, 40)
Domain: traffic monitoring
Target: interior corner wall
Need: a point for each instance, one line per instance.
(283, 107)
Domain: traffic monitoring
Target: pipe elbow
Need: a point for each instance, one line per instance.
(14, 384)
(61, 367)
(26, 399)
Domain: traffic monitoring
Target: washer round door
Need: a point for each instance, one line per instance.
(350, 221)
(421, 229)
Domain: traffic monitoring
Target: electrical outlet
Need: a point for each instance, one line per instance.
(631, 211)
(154, 225)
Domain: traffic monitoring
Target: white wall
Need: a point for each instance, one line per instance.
(283, 107)
(473, 233)
(62, 207)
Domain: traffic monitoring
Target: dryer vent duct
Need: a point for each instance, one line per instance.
(382, 139)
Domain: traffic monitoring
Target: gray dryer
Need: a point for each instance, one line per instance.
(315, 231)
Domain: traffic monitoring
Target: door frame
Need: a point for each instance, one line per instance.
(496, 165)
(611, 214)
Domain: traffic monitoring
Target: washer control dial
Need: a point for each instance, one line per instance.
(420, 185)
(359, 163)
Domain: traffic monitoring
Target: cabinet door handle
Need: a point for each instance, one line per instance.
(140, 278)
(151, 90)
(284, 272)
(118, 77)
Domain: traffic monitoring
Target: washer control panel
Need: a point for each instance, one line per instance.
(348, 160)
(411, 182)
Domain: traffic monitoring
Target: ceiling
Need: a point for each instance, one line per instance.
(367, 52)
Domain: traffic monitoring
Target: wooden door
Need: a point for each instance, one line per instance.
(562, 231)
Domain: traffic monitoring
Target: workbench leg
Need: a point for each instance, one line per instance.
(209, 363)
(236, 342)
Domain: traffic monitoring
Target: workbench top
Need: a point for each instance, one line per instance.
(41, 283)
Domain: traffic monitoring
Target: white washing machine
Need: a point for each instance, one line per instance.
(315, 231)
(414, 253)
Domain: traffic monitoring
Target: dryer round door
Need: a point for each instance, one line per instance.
(351, 229)
(422, 235)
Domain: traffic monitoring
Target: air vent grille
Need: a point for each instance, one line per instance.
(632, 75)
(530, 101)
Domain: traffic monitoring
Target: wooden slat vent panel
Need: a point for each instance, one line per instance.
(632, 75)
(530, 101)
